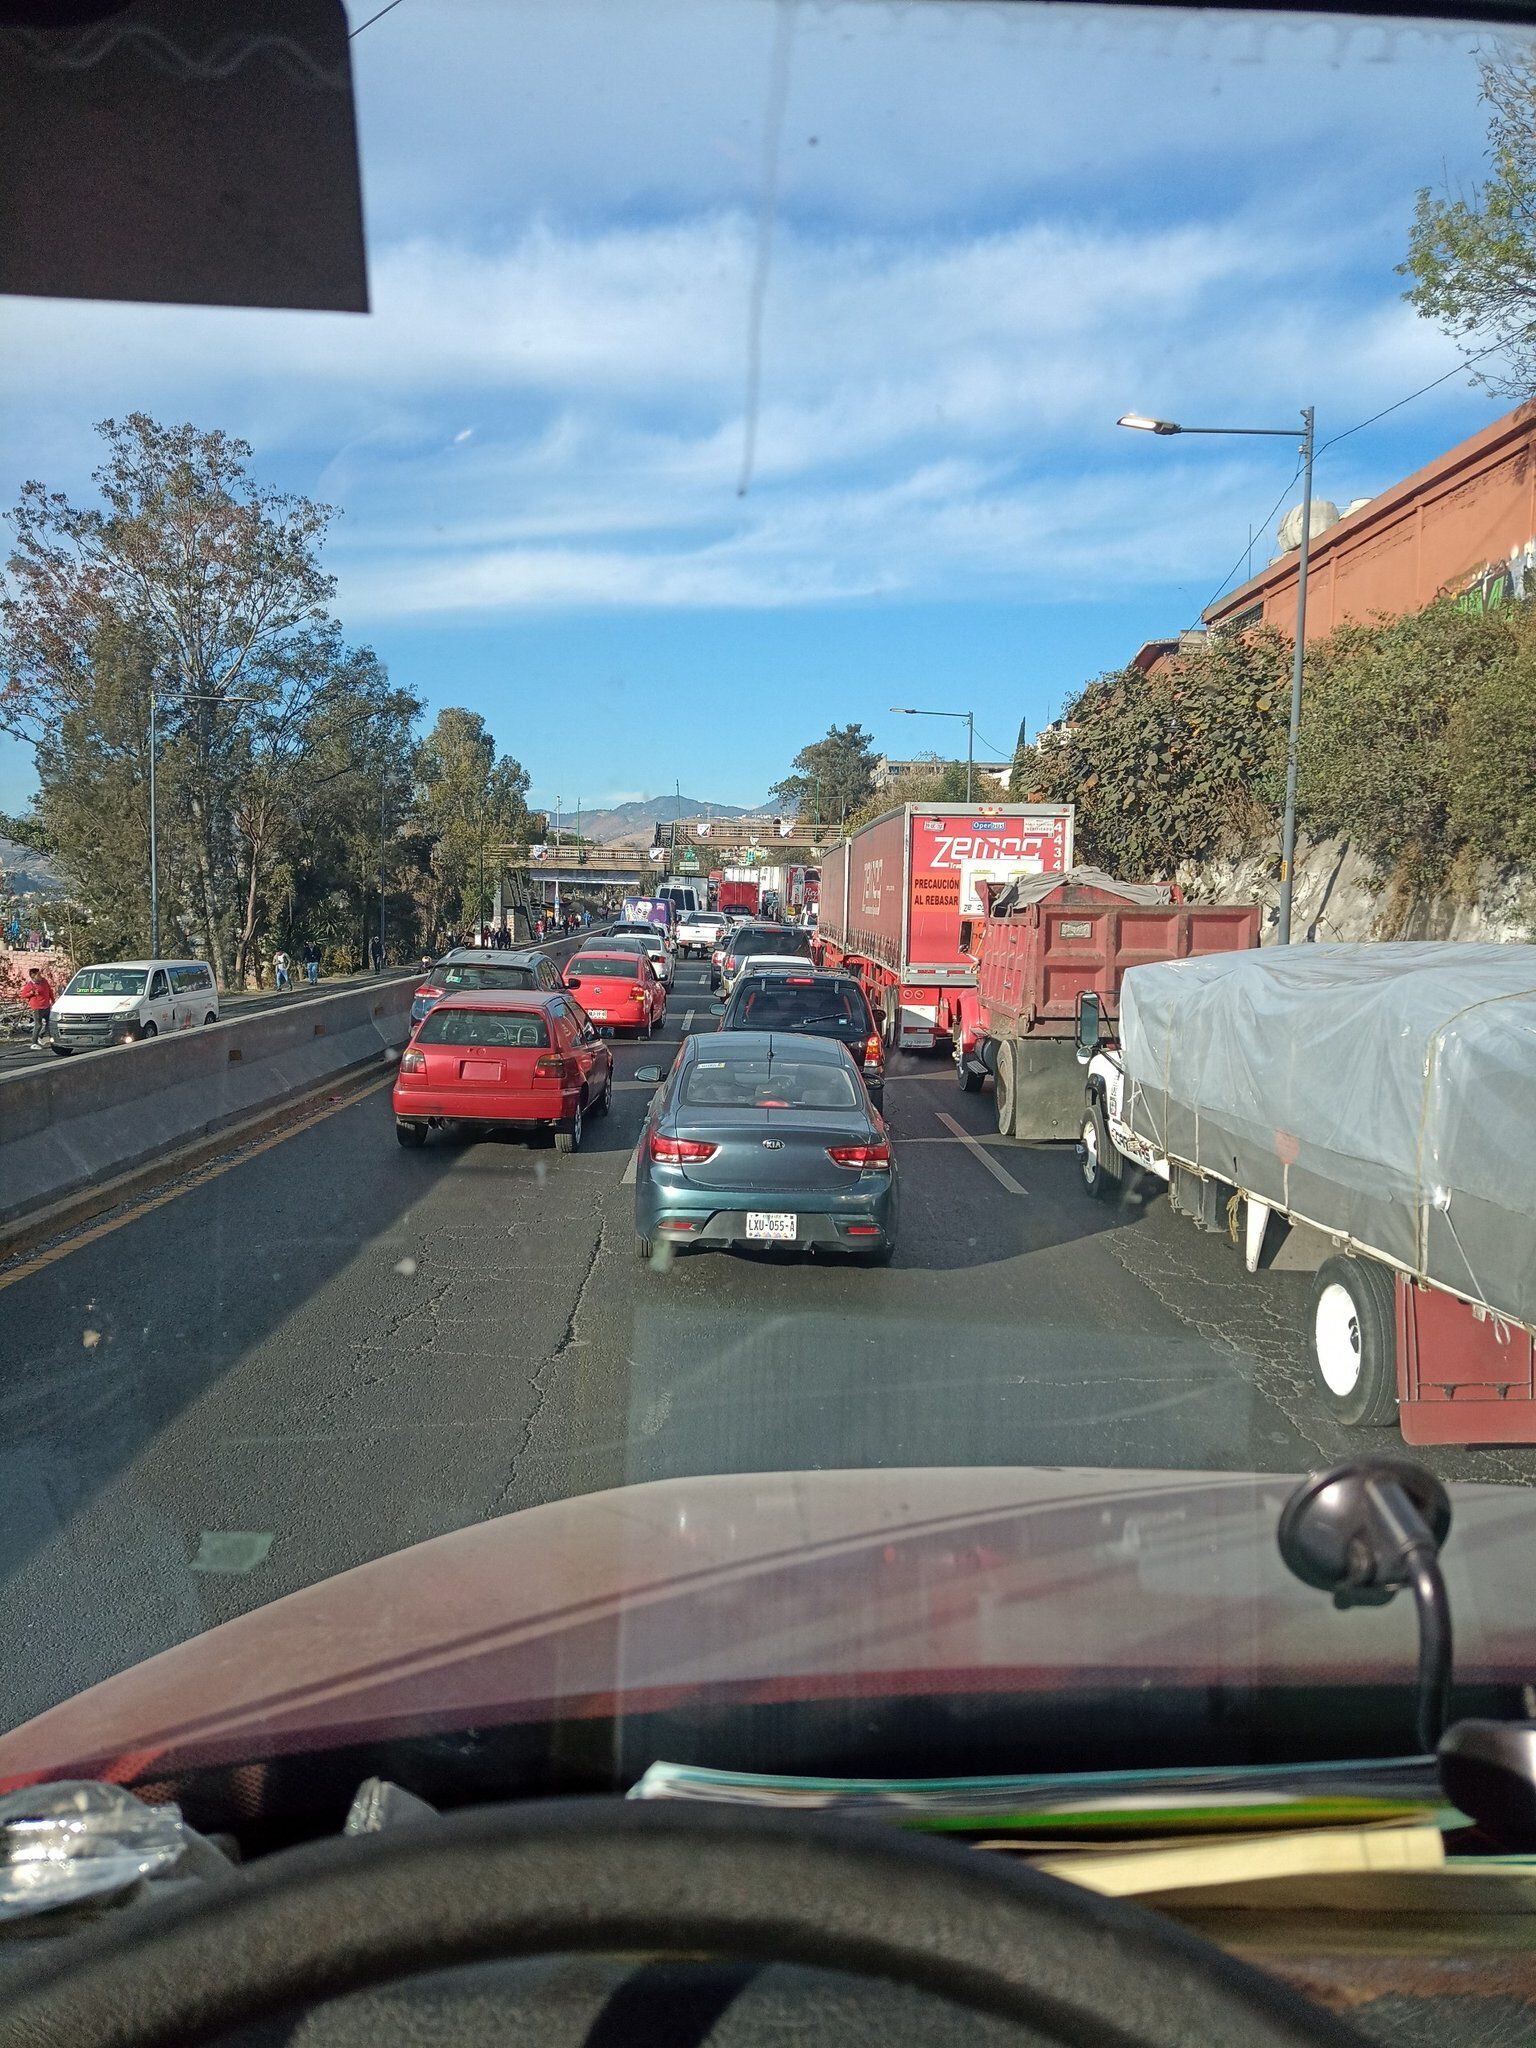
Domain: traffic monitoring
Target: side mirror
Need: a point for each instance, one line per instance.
(647, 1073)
(1089, 1029)
(573, 981)
(717, 1009)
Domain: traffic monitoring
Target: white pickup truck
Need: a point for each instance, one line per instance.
(699, 932)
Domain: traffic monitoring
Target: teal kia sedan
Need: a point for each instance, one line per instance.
(766, 1138)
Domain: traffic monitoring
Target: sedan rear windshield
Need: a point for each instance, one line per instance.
(778, 1005)
(518, 1029)
(615, 967)
(107, 981)
(780, 1083)
(749, 942)
(490, 977)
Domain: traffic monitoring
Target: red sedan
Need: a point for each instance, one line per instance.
(621, 991)
(524, 1059)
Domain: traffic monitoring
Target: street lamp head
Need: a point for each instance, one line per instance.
(903, 711)
(1143, 425)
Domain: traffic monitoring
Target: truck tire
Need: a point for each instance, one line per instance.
(1352, 1328)
(968, 1079)
(1097, 1156)
(1004, 1088)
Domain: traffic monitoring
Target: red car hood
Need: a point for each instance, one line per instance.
(786, 1586)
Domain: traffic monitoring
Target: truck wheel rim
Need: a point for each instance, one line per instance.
(1336, 1340)
(1090, 1151)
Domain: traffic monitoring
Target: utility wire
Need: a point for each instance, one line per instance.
(353, 34)
(1334, 440)
(1444, 378)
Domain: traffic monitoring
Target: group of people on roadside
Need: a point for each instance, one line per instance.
(283, 969)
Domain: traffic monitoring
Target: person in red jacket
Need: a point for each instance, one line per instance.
(37, 994)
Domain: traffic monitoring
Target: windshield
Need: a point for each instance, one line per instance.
(610, 966)
(107, 981)
(780, 1082)
(516, 1028)
(783, 1005)
(490, 977)
(850, 467)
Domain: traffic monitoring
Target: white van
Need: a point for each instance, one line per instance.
(122, 1001)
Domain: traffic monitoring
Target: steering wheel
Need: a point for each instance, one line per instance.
(976, 1930)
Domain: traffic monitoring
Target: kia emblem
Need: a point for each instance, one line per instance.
(773, 1144)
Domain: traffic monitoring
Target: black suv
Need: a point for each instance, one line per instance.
(820, 1005)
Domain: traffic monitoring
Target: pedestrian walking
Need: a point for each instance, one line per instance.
(280, 975)
(375, 953)
(37, 994)
(312, 963)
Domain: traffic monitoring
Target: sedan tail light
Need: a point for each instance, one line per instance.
(856, 1157)
(638, 995)
(413, 1063)
(675, 1151)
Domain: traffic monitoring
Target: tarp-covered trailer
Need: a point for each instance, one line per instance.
(1384, 1095)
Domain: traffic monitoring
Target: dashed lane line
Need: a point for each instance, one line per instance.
(999, 1173)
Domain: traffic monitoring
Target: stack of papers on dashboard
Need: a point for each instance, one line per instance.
(1191, 1866)
(1240, 1800)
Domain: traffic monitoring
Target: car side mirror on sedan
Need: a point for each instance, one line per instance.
(647, 1073)
(717, 1009)
(573, 981)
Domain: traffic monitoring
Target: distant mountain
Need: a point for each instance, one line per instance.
(25, 873)
(637, 821)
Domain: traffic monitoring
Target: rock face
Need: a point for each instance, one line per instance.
(1340, 896)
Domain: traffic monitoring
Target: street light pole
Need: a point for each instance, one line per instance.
(1293, 733)
(154, 861)
(905, 711)
(1143, 424)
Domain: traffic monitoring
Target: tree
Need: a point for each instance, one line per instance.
(1473, 260)
(932, 781)
(832, 777)
(468, 800)
(215, 576)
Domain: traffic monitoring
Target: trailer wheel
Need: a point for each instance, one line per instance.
(1003, 1088)
(1354, 1340)
(1097, 1155)
(968, 1079)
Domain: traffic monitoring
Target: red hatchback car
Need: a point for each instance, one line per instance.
(619, 990)
(528, 1059)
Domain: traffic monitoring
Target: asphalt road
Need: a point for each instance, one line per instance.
(322, 1348)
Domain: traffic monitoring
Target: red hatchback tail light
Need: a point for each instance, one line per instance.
(857, 1157)
(549, 1066)
(680, 1151)
(413, 1063)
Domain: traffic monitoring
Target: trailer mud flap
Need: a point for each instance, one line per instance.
(1048, 1089)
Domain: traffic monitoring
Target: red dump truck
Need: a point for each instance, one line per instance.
(738, 892)
(1041, 944)
(894, 896)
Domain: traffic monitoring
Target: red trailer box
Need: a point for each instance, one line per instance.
(895, 895)
(1042, 943)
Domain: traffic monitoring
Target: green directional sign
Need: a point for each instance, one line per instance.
(688, 858)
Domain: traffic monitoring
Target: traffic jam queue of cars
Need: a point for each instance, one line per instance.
(767, 1132)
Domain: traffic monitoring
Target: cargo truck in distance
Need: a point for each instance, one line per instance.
(1042, 943)
(1376, 1103)
(894, 894)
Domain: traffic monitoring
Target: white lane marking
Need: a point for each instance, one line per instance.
(998, 1173)
(687, 1022)
(629, 1172)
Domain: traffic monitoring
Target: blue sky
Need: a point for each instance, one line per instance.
(996, 228)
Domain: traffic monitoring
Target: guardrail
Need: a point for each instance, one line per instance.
(72, 1124)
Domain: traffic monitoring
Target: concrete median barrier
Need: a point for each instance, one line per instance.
(66, 1127)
